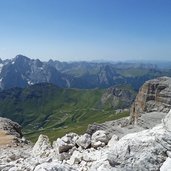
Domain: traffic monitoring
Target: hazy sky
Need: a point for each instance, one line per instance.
(86, 29)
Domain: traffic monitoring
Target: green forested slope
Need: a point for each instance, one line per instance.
(45, 108)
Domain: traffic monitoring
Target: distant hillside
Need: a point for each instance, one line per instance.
(46, 107)
(22, 71)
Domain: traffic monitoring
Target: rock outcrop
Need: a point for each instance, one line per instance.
(42, 147)
(12, 128)
(10, 132)
(119, 97)
(154, 95)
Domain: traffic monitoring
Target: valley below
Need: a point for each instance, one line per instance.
(46, 108)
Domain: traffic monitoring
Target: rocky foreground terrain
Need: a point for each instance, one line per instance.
(145, 150)
(116, 146)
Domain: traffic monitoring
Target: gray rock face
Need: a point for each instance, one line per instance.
(154, 95)
(23, 71)
(145, 150)
(11, 128)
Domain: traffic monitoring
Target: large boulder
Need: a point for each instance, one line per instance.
(99, 139)
(42, 147)
(145, 150)
(65, 143)
(84, 141)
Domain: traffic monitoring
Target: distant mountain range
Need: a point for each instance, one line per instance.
(22, 71)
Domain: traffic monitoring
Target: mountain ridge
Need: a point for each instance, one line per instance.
(22, 71)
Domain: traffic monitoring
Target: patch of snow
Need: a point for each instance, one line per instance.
(29, 82)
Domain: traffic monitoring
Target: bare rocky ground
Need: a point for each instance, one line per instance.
(122, 127)
(5, 139)
(146, 150)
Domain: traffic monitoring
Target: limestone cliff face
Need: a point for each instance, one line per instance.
(154, 95)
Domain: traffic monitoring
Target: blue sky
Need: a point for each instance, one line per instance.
(70, 30)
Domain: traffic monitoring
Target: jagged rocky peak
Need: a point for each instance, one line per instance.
(21, 58)
(154, 95)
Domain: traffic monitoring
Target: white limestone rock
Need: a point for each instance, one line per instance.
(42, 147)
(65, 143)
(84, 141)
(145, 150)
(169, 154)
(148, 150)
(113, 140)
(76, 158)
(99, 139)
